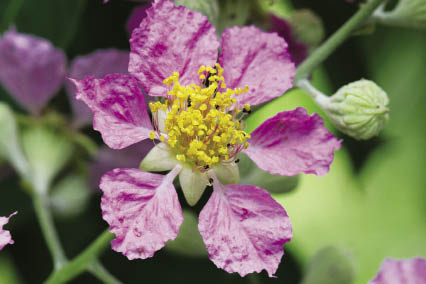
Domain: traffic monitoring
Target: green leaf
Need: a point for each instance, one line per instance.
(56, 20)
(9, 145)
(70, 196)
(381, 213)
(330, 265)
(251, 174)
(46, 152)
(8, 271)
(189, 241)
(210, 8)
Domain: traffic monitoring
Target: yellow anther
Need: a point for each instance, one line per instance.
(198, 126)
(181, 157)
(247, 107)
(152, 135)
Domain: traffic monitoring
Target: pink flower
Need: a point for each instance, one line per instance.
(5, 237)
(198, 120)
(403, 271)
(31, 69)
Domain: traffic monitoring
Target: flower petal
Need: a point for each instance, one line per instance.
(31, 69)
(97, 64)
(142, 209)
(5, 236)
(136, 17)
(404, 271)
(108, 159)
(259, 60)
(171, 39)
(244, 229)
(193, 184)
(159, 159)
(293, 142)
(118, 106)
(297, 49)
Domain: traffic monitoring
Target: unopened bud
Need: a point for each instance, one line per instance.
(407, 13)
(358, 109)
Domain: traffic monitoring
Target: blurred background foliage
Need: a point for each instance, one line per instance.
(371, 205)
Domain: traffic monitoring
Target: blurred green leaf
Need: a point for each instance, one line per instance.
(383, 212)
(70, 196)
(210, 8)
(46, 152)
(251, 174)
(56, 20)
(330, 265)
(9, 146)
(8, 272)
(189, 241)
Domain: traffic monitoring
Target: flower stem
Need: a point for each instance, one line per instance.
(321, 99)
(82, 262)
(102, 273)
(48, 230)
(322, 52)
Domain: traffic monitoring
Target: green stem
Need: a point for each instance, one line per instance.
(48, 230)
(322, 52)
(82, 262)
(103, 274)
(10, 14)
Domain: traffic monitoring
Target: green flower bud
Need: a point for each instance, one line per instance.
(407, 13)
(358, 109)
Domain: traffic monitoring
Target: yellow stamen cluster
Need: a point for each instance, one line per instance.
(202, 123)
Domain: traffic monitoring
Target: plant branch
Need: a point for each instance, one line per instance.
(322, 52)
(48, 229)
(102, 273)
(83, 261)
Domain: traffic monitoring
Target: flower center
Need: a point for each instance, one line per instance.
(204, 122)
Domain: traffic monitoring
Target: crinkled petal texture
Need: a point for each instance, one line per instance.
(108, 159)
(171, 39)
(31, 69)
(5, 236)
(259, 60)
(293, 142)
(404, 271)
(97, 64)
(244, 229)
(142, 209)
(119, 108)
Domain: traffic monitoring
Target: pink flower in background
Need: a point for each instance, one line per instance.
(401, 271)
(31, 69)
(201, 132)
(5, 236)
